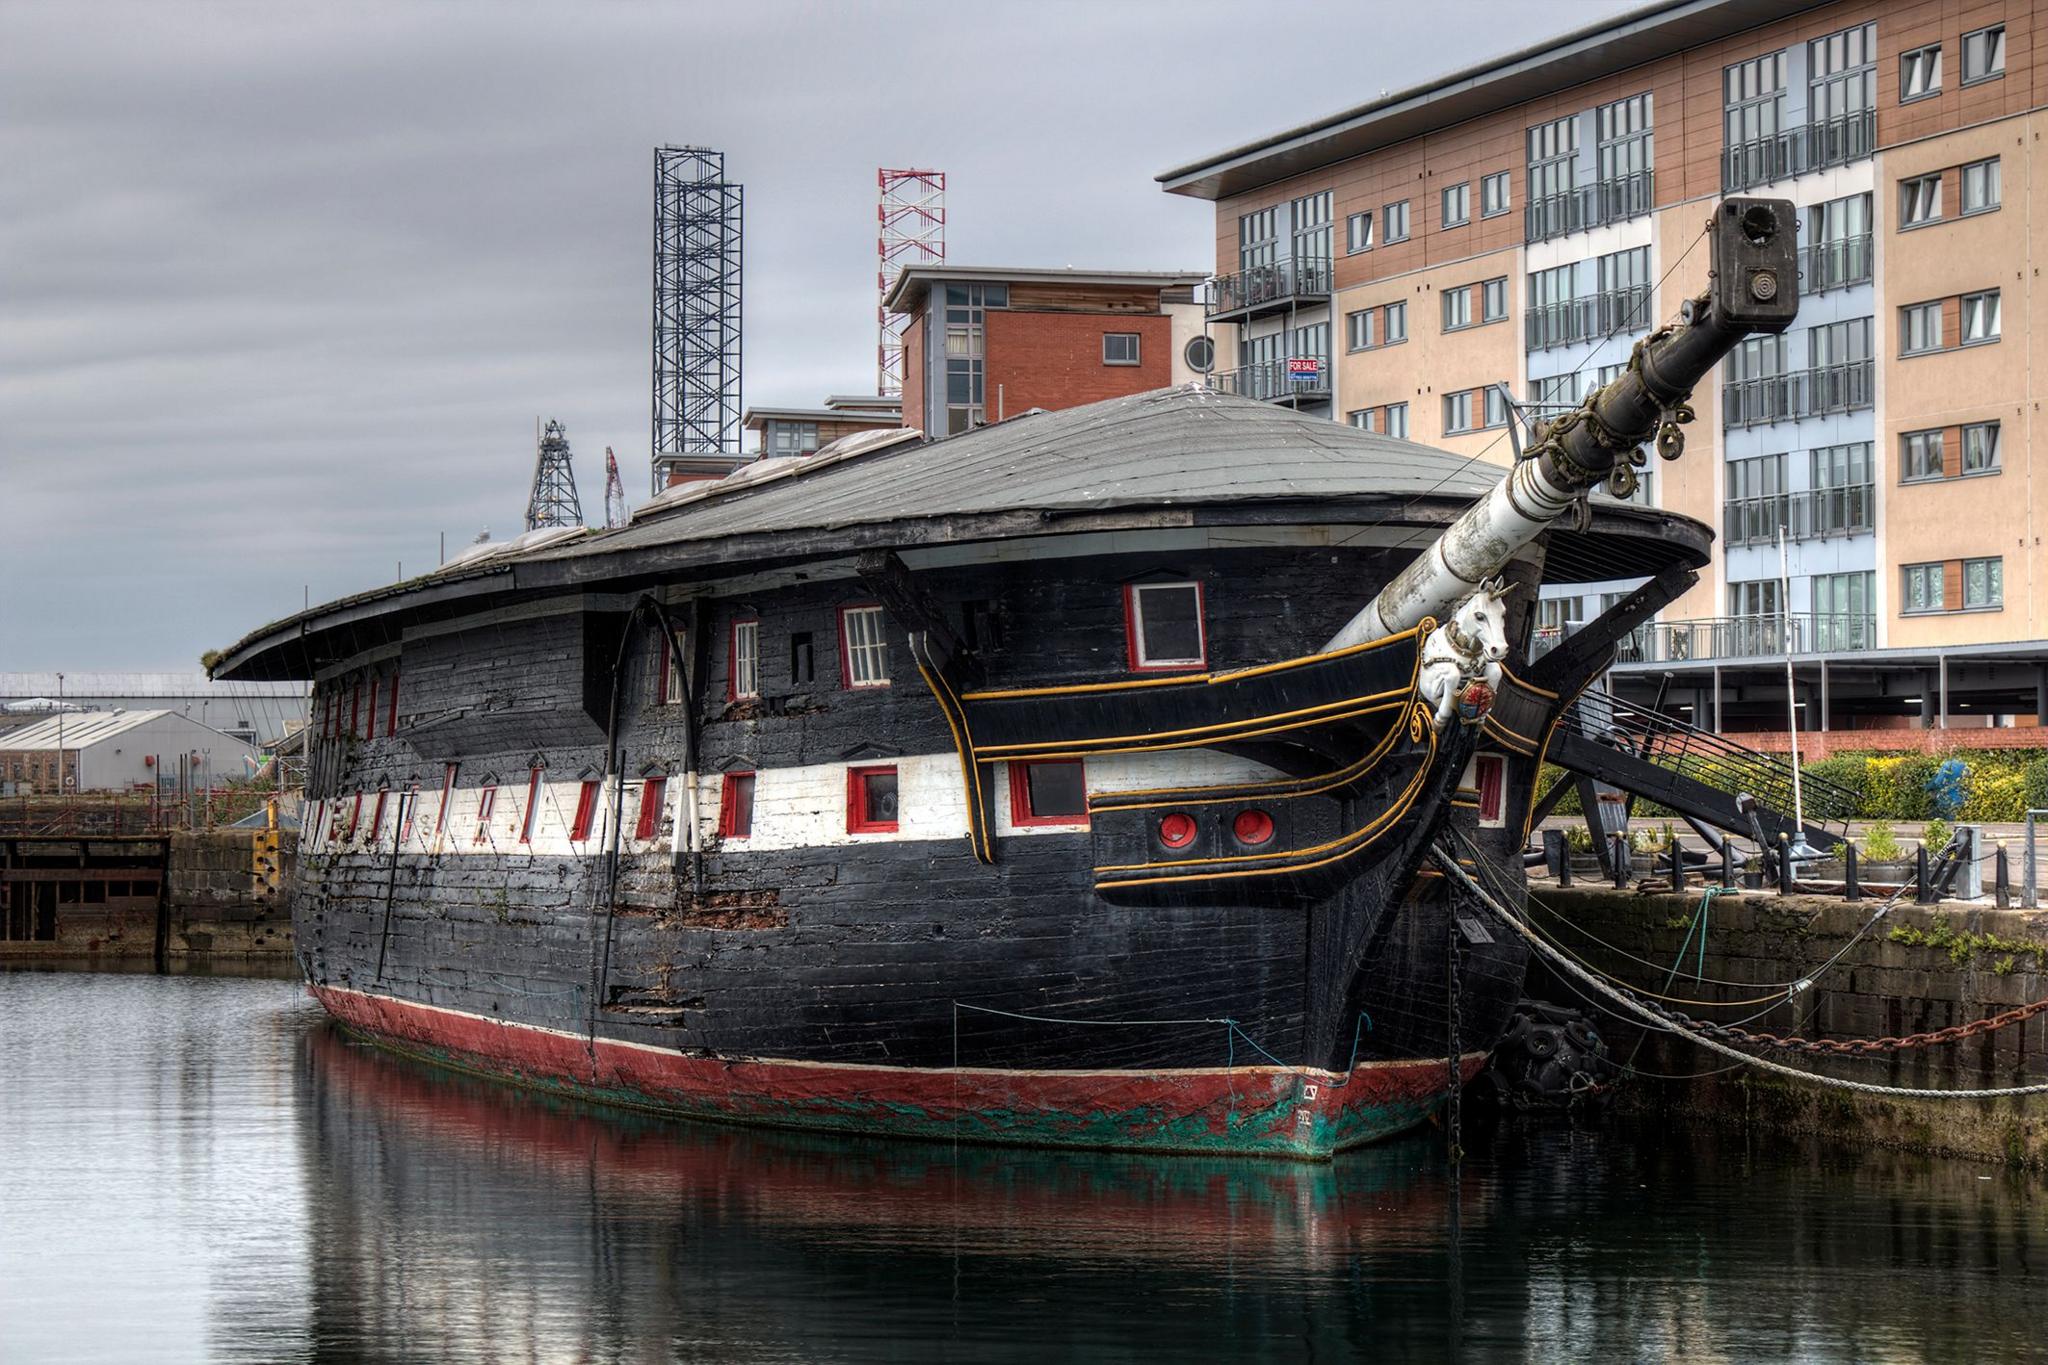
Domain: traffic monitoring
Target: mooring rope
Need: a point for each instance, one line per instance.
(1665, 1019)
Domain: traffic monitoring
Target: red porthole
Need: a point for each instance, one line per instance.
(1177, 830)
(1252, 827)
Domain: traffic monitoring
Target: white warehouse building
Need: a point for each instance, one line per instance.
(119, 751)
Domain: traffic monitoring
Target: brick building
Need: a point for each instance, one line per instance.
(1021, 339)
(805, 431)
(1510, 230)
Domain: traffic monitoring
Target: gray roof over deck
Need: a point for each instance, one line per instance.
(1171, 457)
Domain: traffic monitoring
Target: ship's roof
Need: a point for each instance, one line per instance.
(1171, 457)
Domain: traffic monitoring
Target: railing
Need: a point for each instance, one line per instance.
(1802, 393)
(1834, 263)
(1584, 319)
(1814, 147)
(1741, 637)
(1276, 284)
(1811, 515)
(1708, 758)
(1269, 380)
(1588, 206)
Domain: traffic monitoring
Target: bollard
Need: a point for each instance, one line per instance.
(1852, 890)
(1618, 849)
(1564, 871)
(2001, 887)
(1922, 893)
(1677, 867)
(1556, 855)
(1787, 883)
(1727, 866)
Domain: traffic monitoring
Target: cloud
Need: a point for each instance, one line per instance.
(284, 287)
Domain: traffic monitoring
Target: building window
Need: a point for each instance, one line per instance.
(1842, 79)
(1920, 328)
(1458, 412)
(1163, 626)
(1983, 584)
(1458, 204)
(1048, 792)
(1365, 419)
(1920, 200)
(531, 815)
(669, 686)
(1553, 150)
(1921, 589)
(652, 791)
(1919, 73)
(1980, 186)
(1258, 238)
(1496, 405)
(1842, 610)
(1756, 598)
(1920, 455)
(391, 715)
(1397, 420)
(486, 805)
(370, 712)
(966, 312)
(1396, 328)
(1358, 328)
(1980, 317)
(1494, 194)
(1623, 151)
(448, 771)
(1753, 111)
(1395, 216)
(1119, 348)
(792, 438)
(1980, 448)
(1984, 54)
(1358, 233)
(863, 650)
(586, 810)
(736, 806)
(1493, 300)
(744, 678)
(803, 659)
(870, 800)
(1457, 308)
(1311, 214)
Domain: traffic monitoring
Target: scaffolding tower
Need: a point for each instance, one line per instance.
(912, 215)
(553, 501)
(697, 257)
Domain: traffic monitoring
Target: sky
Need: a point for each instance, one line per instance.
(284, 286)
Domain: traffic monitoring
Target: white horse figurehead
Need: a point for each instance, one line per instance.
(1468, 648)
(1481, 622)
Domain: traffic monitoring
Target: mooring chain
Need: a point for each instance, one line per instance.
(1855, 1047)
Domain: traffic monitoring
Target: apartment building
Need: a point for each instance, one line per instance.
(983, 344)
(1511, 230)
(806, 431)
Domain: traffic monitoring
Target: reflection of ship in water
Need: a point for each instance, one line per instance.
(448, 1211)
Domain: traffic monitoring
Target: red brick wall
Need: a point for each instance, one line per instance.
(1817, 744)
(1054, 360)
(913, 377)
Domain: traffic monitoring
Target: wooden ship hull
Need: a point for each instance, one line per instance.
(1044, 784)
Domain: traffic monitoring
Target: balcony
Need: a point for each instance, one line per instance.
(1836, 263)
(1739, 637)
(1803, 393)
(1817, 514)
(1814, 147)
(1588, 318)
(1271, 288)
(1588, 206)
(1269, 382)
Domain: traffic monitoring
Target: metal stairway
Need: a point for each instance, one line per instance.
(1694, 772)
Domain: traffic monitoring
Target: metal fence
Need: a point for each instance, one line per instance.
(1801, 393)
(1588, 206)
(1294, 278)
(1814, 514)
(1809, 147)
(1584, 319)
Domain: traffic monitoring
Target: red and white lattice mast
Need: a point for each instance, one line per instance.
(912, 215)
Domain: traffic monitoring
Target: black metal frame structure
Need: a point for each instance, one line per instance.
(697, 261)
(553, 501)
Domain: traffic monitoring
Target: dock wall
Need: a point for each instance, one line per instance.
(1918, 969)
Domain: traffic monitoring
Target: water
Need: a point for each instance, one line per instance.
(196, 1168)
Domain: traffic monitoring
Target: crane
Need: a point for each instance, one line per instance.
(614, 493)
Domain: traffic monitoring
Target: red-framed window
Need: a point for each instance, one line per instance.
(736, 806)
(652, 791)
(377, 815)
(863, 647)
(1492, 781)
(743, 658)
(355, 818)
(370, 714)
(1163, 626)
(531, 815)
(391, 716)
(1050, 791)
(447, 795)
(486, 806)
(586, 810)
(355, 707)
(871, 800)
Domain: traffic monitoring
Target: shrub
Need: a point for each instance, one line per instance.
(2035, 774)
(1897, 788)
(1934, 837)
(1880, 845)
(1999, 794)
